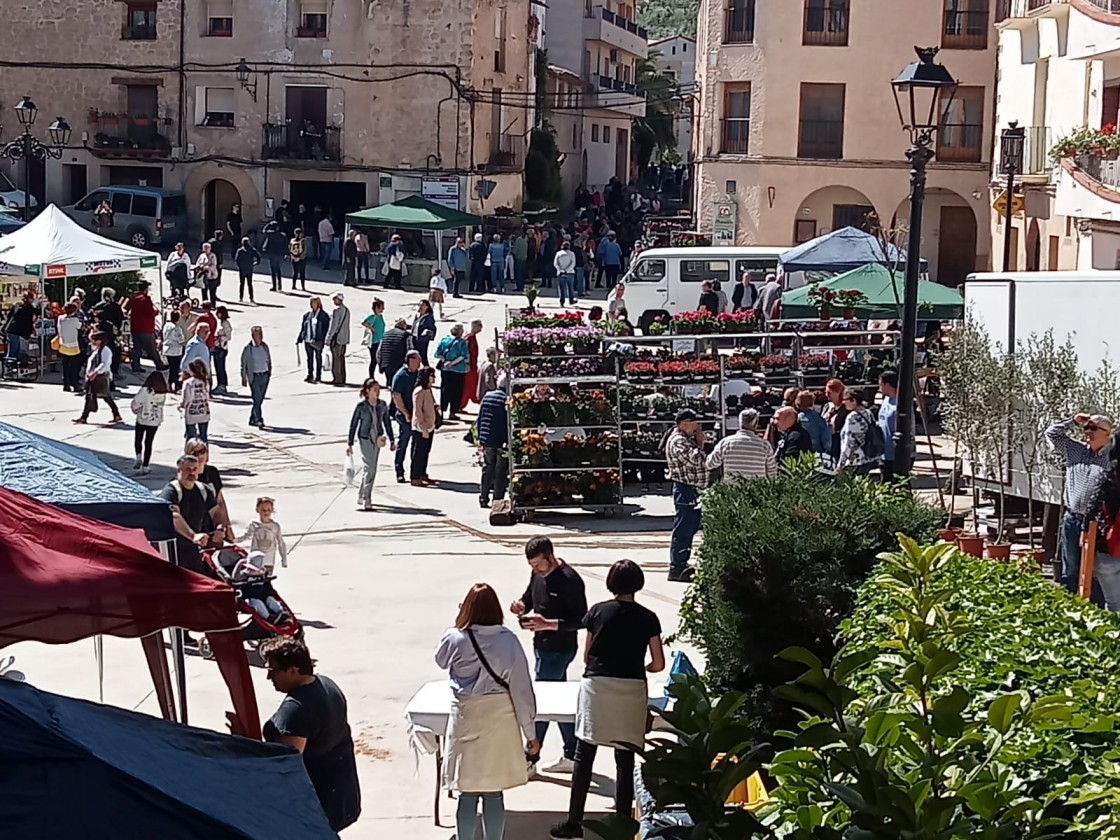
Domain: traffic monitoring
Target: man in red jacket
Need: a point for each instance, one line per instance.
(142, 320)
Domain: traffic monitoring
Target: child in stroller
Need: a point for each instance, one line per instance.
(269, 616)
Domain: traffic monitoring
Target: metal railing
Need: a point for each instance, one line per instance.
(618, 20)
(607, 83)
(960, 143)
(965, 30)
(821, 139)
(1110, 6)
(1034, 5)
(738, 23)
(126, 133)
(301, 142)
(735, 135)
(826, 25)
(507, 151)
(1102, 170)
(138, 32)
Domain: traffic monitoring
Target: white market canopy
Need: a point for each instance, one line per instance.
(53, 245)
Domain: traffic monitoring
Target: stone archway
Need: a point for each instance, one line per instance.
(949, 234)
(218, 196)
(1034, 247)
(211, 189)
(830, 208)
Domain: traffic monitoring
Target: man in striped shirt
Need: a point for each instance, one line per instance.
(688, 469)
(744, 454)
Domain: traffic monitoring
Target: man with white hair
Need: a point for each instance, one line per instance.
(256, 373)
(477, 253)
(744, 454)
(770, 295)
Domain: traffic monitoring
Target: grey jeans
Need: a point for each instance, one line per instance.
(370, 453)
(1106, 572)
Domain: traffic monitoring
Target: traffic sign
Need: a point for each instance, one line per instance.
(1000, 204)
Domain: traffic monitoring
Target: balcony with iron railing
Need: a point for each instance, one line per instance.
(601, 24)
(738, 23)
(1105, 170)
(965, 30)
(1112, 7)
(288, 141)
(607, 83)
(1010, 12)
(825, 25)
(138, 32)
(129, 135)
(507, 151)
(735, 135)
(821, 139)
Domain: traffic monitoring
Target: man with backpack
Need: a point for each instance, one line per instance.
(888, 415)
(195, 513)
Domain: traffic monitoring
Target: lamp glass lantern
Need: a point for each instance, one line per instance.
(923, 94)
(26, 112)
(1011, 143)
(59, 131)
(242, 71)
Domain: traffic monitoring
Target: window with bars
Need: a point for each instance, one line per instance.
(826, 23)
(965, 25)
(736, 123)
(962, 127)
(821, 124)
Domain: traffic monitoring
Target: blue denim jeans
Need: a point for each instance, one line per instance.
(197, 430)
(1106, 575)
(564, 285)
(552, 666)
(580, 288)
(1072, 526)
(404, 435)
(493, 816)
(498, 277)
(686, 523)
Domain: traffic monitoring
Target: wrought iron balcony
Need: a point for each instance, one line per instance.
(129, 135)
(507, 151)
(288, 141)
(138, 32)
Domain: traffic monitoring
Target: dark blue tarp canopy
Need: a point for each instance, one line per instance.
(10, 223)
(78, 769)
(841, 250)
(72, 478)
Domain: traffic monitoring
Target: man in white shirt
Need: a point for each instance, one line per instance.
(326, 240)
(744, 454)
(565, 265)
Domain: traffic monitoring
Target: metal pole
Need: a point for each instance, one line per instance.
(919, 156)
(1007, 222)
(26, 175)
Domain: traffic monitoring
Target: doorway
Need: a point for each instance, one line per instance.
(852, 215)
(143, 113)
(956, 247)
(1034, 247)
(218, 196)
(74, 182)
(622, 154)
(335, 198)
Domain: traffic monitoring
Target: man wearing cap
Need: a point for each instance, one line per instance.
(338, 336)
(688, 470)
(744, 454)
(1087, 465)
(402, 386)
(393, 348)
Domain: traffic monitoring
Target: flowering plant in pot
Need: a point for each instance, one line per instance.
(602, 449)
(740, 365)
(640, 371)
(701, 322)
(585, 339)
(774, 364)
(848, 300)
(530, 447)
(600, 487)
(519, 341)
(569, 451)
(813, 361)
(822, 298)
(674, 371)
(704, 370)
(743, 321)
(594, 408)
(658, 326)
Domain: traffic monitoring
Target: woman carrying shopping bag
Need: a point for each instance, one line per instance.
(99, 378)
(370, 426)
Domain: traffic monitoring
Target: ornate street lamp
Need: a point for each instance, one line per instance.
(1010, 164)
(243, 72)
(27, 147)
(923, 93)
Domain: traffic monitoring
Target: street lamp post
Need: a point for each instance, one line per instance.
(1010, 164)
(923, 93)
(27, 147)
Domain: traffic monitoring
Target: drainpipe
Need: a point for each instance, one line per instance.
(182, 70)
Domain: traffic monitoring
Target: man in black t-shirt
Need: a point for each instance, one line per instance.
(233, 228)
(556, 595)
(195, 513)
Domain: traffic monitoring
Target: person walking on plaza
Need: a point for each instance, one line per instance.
(219, 352)
(488, 374)
(313, 335)
(297, 253)
(553, 607)
(493, 436)
(234, 225)
(613, 698)
(265, 535)
(276, 249)
(437, 291)
(477, 254)
(888, 417)
(564, 264)
(206, 266)
(425, 418)
(370, 427)
(493, 709)
(451, 359)
(312, 720)
(744, 295)
(395, 345)
(457, 261)
(207, 472)
(326, 241)
(402, 386)
(195, 514)
(338, 337)
(350, 259)
(70, 348)
(519, 250)
(246, 259)
(361, 245)
(1087, 466)
(174, 340)
(177, 270)
(820, 436)
(855, 455)
(256, 373)
(470, 381)
(423, 329)
(195, 401)
(1104, 509)
(688, 470)
(148, 405)
(744, 454)
(373, 330)
(108, 318)
(394, 263)
(618, 301)
(99, 375)
(611, 253)
(142, 314)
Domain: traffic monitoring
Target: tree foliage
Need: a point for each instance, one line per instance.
(542, 168)
(657, 129)
(665, 18)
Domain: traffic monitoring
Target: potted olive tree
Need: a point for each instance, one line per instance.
(999, 386)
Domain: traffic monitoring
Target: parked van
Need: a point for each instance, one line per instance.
(142, 216)
(667, 281)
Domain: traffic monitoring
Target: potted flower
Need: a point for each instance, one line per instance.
(657, 326)
(674, 371)
(775, 365)
(813, 362)
(701, 322)
(585, 339)
(704, 370)
(848, 300)
(640, 371)
(518, 341)
(740, 365)
(822, 298)
(743, 321)
(531, 447)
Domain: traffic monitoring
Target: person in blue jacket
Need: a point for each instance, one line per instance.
(497, 255)
(312, 335)
(457, 260)
(820, 436)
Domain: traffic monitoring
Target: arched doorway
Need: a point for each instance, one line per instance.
(218, 196)
(1034, 247)
(948, 240)
(831, 208)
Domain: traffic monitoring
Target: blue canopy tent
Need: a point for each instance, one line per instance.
(841, 250)
(77, 769)
(73, 479)
(10, 223)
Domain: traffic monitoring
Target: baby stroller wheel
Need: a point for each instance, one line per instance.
(204, 648)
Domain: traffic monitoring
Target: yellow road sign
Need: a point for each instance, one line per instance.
(1000, 204)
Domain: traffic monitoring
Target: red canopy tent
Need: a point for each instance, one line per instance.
(64, 577)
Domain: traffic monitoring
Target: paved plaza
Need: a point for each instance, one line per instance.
(375, 590)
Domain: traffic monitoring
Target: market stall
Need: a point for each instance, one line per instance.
(77, 769)
(841, 250)
(883, 295)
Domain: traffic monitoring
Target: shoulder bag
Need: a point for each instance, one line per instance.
(485, 664)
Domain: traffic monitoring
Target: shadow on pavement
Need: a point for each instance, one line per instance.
(404, 511)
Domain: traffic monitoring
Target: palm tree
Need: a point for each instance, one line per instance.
(656, 130)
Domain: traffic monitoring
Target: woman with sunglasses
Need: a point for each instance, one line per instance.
(853, 435)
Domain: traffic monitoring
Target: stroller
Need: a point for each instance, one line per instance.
(267, 613)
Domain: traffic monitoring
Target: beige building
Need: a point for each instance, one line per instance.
(341, 104)
(676, 58)
(1059, 72)
(798, 131)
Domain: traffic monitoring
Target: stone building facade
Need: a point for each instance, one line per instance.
(340, 103)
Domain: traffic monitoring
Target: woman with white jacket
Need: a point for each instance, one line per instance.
(853, 435)
(493, 713)
(147, 405)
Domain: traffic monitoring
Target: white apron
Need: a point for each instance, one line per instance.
(611, 711)
(485, 747)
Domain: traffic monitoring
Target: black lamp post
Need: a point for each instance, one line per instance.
(27, 147)
(923, 93)
(1010, 164)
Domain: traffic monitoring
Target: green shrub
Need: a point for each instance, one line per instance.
(779, 566)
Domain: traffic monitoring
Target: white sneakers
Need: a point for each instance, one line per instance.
(562, 765)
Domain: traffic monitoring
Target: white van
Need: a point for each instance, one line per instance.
(667, 281)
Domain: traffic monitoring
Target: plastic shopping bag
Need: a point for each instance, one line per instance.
(348, 471)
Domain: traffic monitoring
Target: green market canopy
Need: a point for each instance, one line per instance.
(52, 245)
(413, 213)
(935, 302)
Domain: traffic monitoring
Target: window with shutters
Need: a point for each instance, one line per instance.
(219, 18)
(821, 127)
(312, 19)
(736, 127)
(962, 127)
(219, 107)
